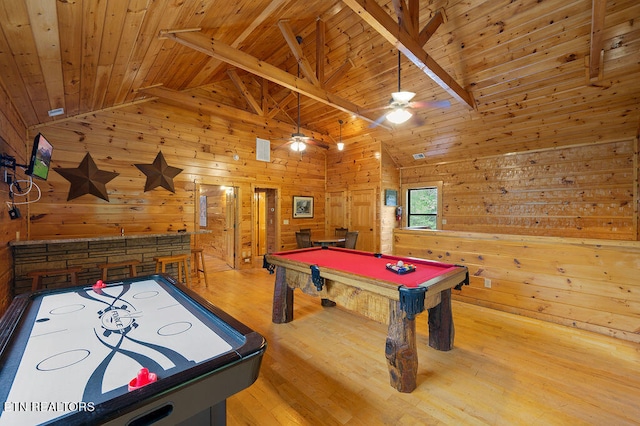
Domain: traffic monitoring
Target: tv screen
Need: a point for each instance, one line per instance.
(40, 157)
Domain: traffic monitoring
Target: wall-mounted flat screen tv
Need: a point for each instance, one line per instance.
(40, 157)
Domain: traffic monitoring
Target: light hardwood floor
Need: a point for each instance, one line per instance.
(327, 367)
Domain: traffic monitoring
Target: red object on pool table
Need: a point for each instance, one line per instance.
(384, 295)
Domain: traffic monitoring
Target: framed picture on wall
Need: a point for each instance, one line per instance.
(302, 206)
(390, 197)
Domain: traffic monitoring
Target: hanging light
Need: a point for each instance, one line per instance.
(340, 144)
(399, 115)
(298, 146)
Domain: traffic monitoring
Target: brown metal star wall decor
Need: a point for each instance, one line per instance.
(159, 173)
(87, 179)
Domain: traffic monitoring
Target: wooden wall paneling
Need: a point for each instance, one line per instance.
(589, 284)
(636, 182)
(390, 179)
(336, 213)
(12, 142)
(358, 169)
(202, 145)
(585, 191)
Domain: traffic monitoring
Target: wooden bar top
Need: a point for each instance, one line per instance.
(102, 238)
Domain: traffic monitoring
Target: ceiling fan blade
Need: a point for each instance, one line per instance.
(283, 145)
(317, 143)
(430, 104)
(377, 108)
(416, 121)
(378, 121)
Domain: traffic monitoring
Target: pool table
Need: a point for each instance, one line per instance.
(379, 287)
(139, 351)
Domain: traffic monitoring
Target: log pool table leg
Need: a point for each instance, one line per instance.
(441, 329)
(282, 298)
(400, 349)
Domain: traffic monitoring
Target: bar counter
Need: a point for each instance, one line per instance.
(88, 252)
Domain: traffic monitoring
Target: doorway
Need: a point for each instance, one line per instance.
(218, 215)
(265, 224)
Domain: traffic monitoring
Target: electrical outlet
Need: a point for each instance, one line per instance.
(487, 283)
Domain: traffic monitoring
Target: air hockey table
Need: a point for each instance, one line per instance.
(146, 350)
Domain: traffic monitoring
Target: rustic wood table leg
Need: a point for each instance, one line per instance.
(282, 298)
(441, 329)
(400, 350)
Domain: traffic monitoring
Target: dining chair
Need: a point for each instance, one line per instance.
(303, 239)
(350, 239)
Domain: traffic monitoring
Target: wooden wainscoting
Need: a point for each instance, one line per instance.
(589, 284)
(327, 367)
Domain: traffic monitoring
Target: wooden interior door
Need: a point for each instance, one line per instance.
(230, 227)
(261, 223)
(362, 208)
(336, 214)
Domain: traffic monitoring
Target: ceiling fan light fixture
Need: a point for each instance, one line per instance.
(402, 96)
(399, 115)
(298, 146)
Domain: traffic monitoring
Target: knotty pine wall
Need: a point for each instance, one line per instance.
(12, 135)
(390, 179)
(365, 163)
(585, 191)
(202, 145)
(572, 255)
(585, 283)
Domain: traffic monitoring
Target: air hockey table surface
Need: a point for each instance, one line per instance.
(80, 355)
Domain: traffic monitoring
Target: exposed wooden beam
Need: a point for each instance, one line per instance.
(406, 19)
(380, 21)
(431, 27)
(296, 49)
(188, 101)
(242, 60)
(596, 54)
(280, 106)
(320, 56)
(237, 81)
(339, 73)
(264, 94)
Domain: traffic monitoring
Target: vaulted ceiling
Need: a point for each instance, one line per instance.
(518, 74)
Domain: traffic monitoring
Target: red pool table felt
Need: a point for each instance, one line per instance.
(368, 265)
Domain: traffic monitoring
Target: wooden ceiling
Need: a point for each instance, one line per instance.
(519, 74)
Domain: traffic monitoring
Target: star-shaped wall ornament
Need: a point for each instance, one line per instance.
(159, 173)
(87, 179)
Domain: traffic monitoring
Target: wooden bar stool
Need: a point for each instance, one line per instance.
(183, 267)
(131, 264)
(36, 276)
(197, 256)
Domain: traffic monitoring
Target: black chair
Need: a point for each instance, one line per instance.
(350, 239)
(305, 230)
(303, 239)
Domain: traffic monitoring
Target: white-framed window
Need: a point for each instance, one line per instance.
(423, 204)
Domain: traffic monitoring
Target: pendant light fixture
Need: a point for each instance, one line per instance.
(340, 144)
(399, 113)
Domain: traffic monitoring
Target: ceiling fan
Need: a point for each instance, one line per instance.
(298, 140)
(400, 105)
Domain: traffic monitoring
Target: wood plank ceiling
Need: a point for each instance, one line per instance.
(519, 74)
